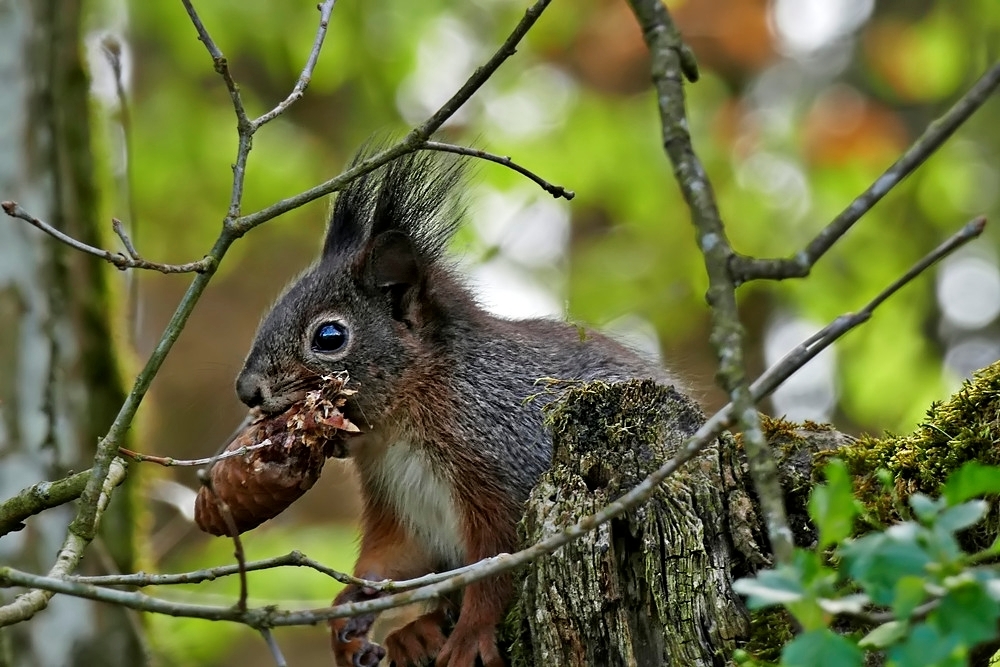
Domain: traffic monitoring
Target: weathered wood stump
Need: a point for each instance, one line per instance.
(655, 587)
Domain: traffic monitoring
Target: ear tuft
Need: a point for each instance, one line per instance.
(415, 194)
(392, 260)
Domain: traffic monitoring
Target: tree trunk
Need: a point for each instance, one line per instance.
(655, 587)
(652, 588)
(59, 379)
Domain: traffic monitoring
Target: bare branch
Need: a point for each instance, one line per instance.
(554, 190)
(28, 604)
(238, 552)
(221, 66)
(119, 230)
(273, 647)
(38, 498)
(325, 10)
(809, 348)
(169, 461)
(120, 261)
(293, 559)
(668, 65)
(746, 268)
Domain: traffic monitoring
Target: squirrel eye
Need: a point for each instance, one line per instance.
(329, 337)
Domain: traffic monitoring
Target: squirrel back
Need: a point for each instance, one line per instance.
(449, 396)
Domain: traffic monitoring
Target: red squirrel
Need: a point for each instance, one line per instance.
(450, 445)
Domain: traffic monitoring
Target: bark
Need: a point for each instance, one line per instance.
(59, 380)
(654, 588)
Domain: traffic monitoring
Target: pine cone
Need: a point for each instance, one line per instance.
(261, 483)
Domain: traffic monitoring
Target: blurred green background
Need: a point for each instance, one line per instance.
(801, 105)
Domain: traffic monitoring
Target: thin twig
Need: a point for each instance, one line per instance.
(120, 261)
(221, 66)
(668, 65)
(292, 559)
(119, 230)
(273, 647)
(169, 461)
(112, 48)
(325, 10)
(809, 348)
(244, 127)
(234, 534)
(745, 268)
(554, 190)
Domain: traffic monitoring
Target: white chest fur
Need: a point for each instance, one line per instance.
(422, 499)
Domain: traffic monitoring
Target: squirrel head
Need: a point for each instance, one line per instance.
(372, 304)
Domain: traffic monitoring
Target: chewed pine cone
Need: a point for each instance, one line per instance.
(262, 482)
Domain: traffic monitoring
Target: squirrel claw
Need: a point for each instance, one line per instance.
(358, 653)
(368, 655)
(355, 627)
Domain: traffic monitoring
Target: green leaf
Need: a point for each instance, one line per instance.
(884, 635)
(967, 613)
(771, 587)
(962, 516)
(832, 507)
(925, 507)
(821, 648)
(925, 647)
(910, 592)
(855, 603)
(879, 560)
(970, 481)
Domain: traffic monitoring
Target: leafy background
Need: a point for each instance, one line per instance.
(801, 105)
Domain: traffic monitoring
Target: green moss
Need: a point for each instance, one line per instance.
(770, 630)
(510, 637)
(964, 428)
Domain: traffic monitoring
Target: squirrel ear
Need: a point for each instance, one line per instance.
(393, 265)
(392, 260)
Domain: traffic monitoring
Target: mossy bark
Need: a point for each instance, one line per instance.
(654, 588)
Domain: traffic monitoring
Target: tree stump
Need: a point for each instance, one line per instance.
(651, 588)
(655, 586)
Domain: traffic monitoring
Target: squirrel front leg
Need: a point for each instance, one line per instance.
(483, 606)
(387, 552)
(483, 602)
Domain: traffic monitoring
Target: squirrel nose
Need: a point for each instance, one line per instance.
(251, 389)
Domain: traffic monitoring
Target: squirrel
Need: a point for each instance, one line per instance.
(450, 444)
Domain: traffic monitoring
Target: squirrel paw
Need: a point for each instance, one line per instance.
(417, 642)
(343, 630)
(357, 653)
(465, 644)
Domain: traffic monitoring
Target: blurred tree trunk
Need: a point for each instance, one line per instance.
(59, 379)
